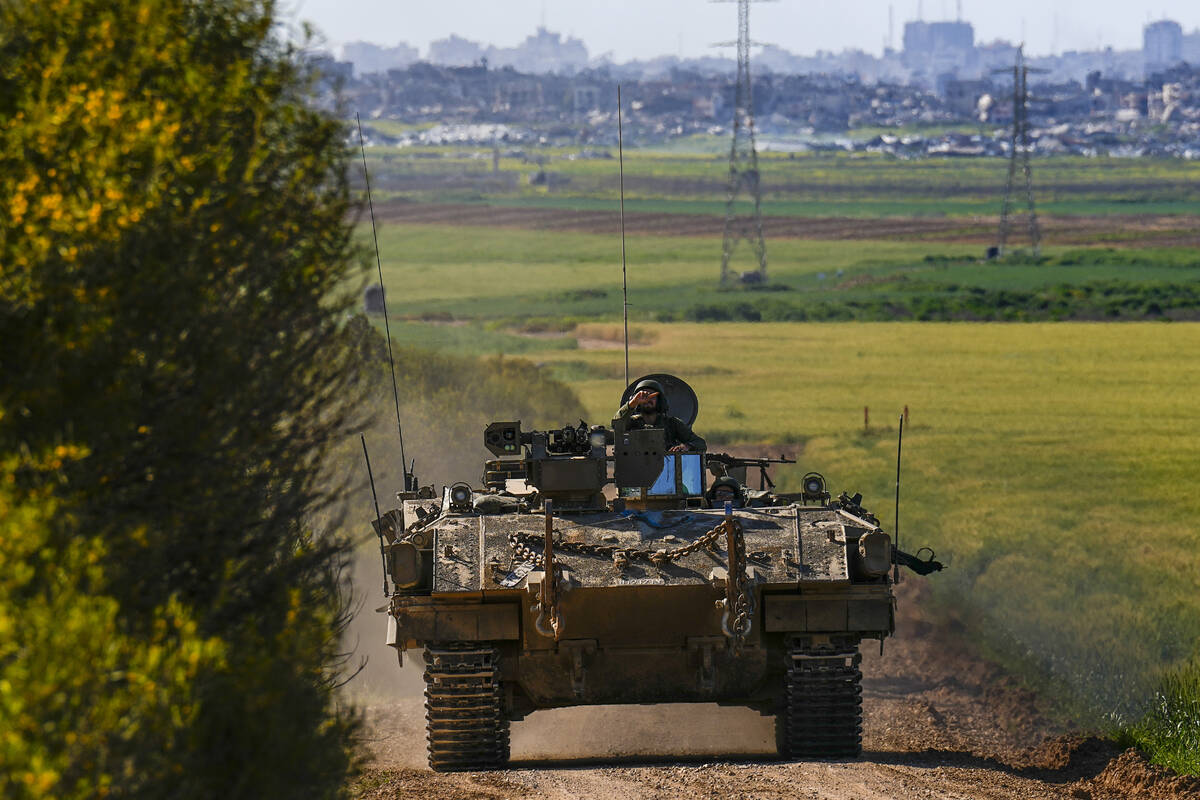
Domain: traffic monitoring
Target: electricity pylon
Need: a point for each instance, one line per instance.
(743, 157)
(1019, 151)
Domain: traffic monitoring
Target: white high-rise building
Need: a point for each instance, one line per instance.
(936, 49)
(1162, 45)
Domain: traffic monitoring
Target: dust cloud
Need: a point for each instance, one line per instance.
(389, 696)
(446, 402)
(670, 729)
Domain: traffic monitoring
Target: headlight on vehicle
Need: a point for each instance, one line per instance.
(406, 564)
(460, 497)
(814, 486)
(875, 553)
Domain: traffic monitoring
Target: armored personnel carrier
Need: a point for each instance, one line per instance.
(592, 566)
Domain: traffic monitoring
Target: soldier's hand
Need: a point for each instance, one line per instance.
(679, 448)
(644, 397)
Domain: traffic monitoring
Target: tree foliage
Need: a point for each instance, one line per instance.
(78, 693)
(176, 226)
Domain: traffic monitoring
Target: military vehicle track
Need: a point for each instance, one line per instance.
(464, 707)
(822, 716)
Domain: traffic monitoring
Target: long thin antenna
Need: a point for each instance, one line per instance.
(375, 498)
(896, 527)
(383, 294)
(624, 278)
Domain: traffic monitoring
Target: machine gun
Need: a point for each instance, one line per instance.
(722, 464)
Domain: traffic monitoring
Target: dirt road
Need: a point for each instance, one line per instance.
(938, 723)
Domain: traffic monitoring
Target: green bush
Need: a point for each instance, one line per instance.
(78, 693)
(1091, 301)
(176, 222)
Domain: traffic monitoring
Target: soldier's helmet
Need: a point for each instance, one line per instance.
(726, 482)
(663, 407)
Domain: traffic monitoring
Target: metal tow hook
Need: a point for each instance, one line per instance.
(547, 605)
(735, 617)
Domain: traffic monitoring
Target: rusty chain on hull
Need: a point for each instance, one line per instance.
(735, 621)
(736, 606)
(621, 556)
(547, 608)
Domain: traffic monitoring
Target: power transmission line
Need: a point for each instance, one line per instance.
(1018, 156)
(743, 159)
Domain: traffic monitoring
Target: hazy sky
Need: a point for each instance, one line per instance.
(645, 28)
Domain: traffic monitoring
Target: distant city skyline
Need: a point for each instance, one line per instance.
(627, 30)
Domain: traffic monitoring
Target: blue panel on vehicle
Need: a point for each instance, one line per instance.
(666, 479)
(693, 473)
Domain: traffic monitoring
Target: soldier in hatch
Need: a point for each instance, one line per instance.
(725, 489)
(648, 408)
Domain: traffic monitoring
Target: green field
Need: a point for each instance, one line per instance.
(501, 277)
(1049, 465)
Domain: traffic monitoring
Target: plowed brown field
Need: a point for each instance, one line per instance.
(1132, 230)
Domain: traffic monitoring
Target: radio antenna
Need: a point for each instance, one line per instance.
(896, 527)
(383, 295)
(624, 278)
(378, 518)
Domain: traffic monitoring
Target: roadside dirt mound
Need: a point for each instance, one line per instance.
(1131, 777)
(1125, 230)
(928, 691)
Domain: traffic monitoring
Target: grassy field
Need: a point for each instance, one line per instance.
(1049, 465)
(491, 273)
(1049, 461)
(503, 277)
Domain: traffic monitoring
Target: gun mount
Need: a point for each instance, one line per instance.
(572, 466)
